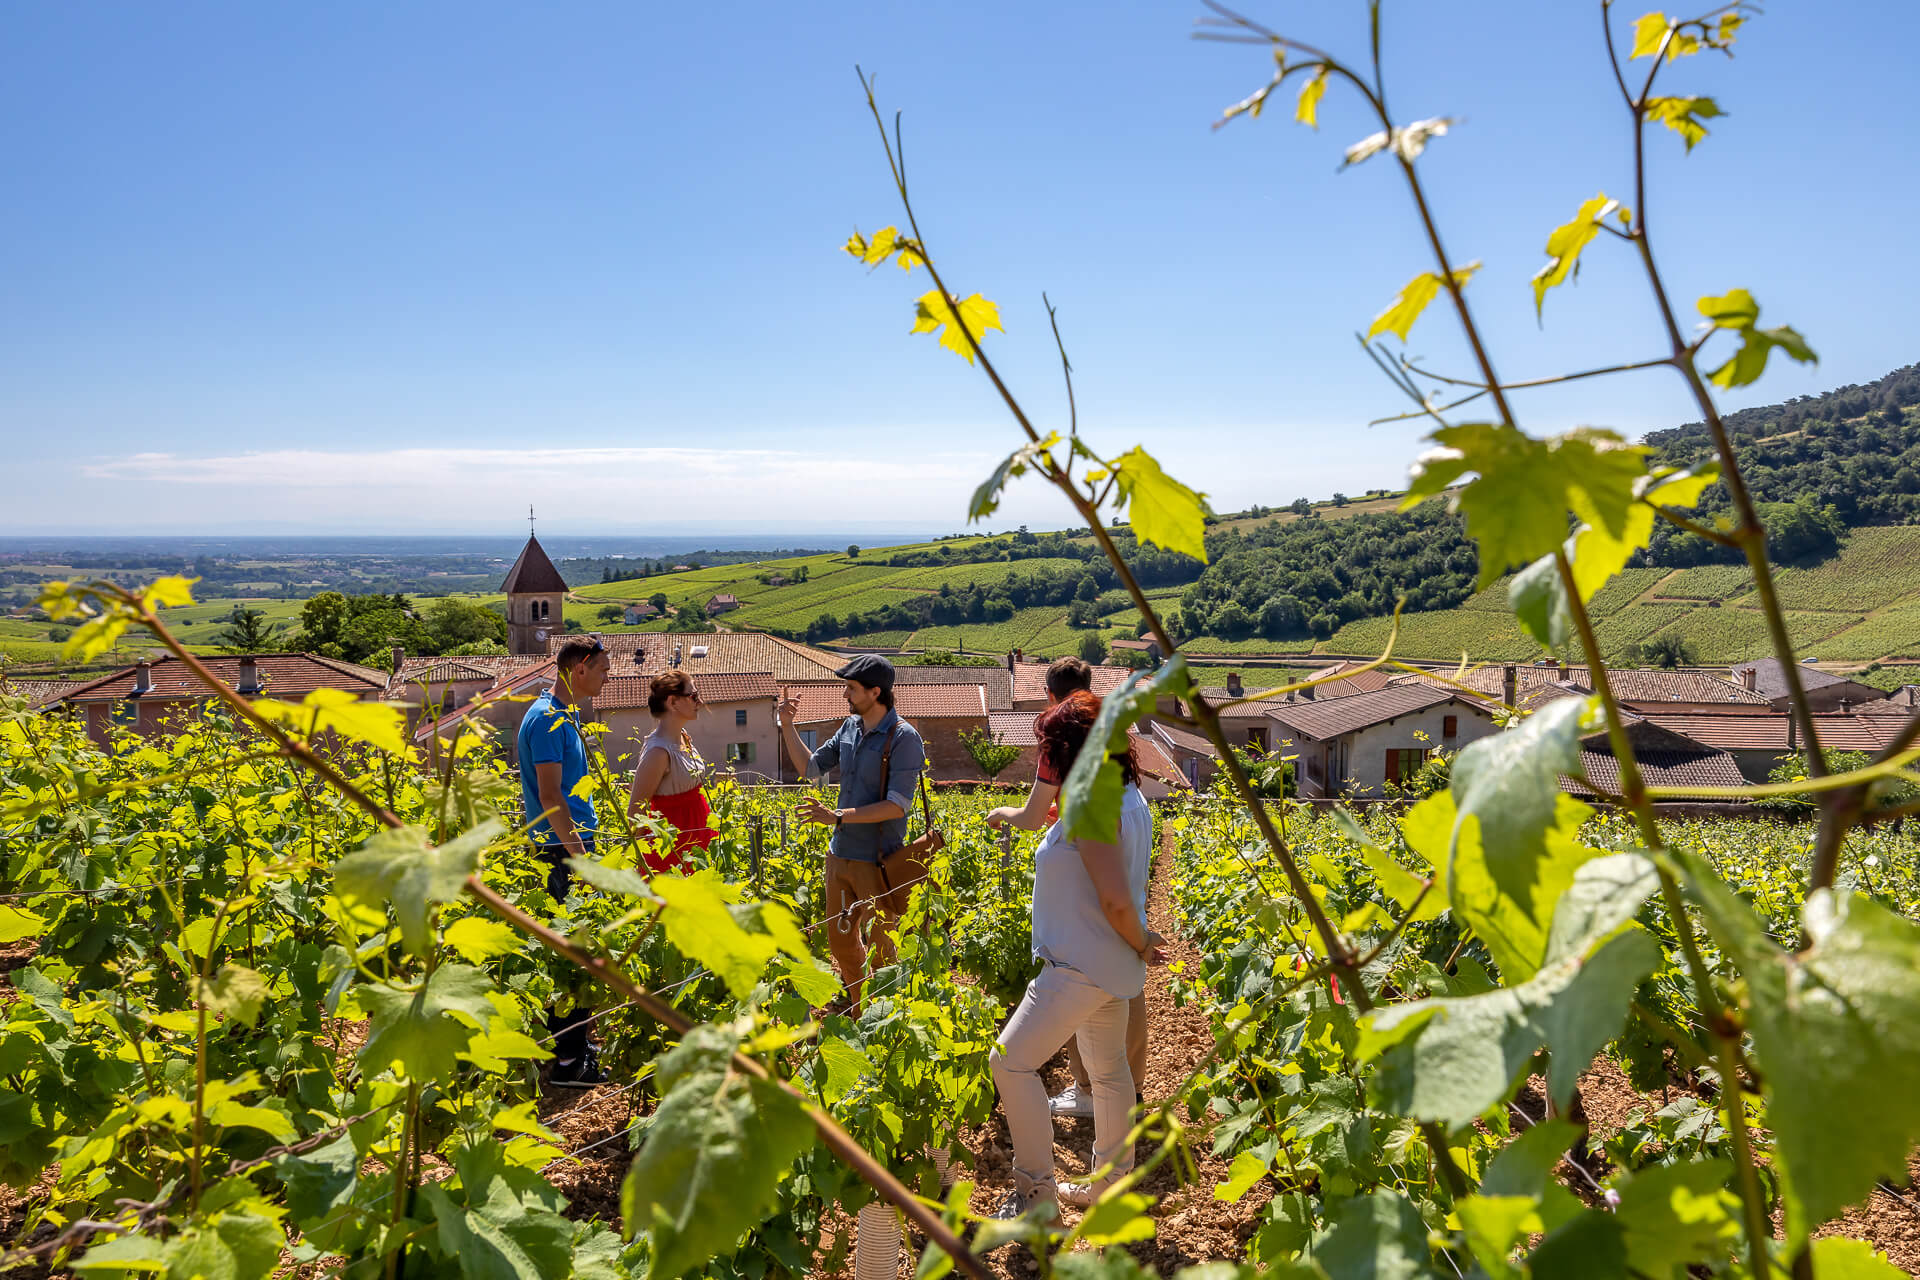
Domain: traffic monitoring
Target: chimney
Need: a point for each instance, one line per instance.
(1562, 667)
(249, 676)
(1748, 676)
(1233, 684)
(1510, 685)
(676, 654)
(1846, 706)
(142, 677)
(399, 658)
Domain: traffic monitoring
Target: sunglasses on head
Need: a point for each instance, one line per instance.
(599, 645)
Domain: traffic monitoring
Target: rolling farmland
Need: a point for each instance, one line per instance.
(1861, 606)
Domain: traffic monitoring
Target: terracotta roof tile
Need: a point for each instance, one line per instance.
(738, 652)
(1769, 677)
(1320, 720)
(1768, 731)
(940, 701)
(281, 675)
(1152, 758)
(820, 703)
(1632, 685)
(626, 693)
(538, 673)
(40, 692)
(1183, 739)
(1015, 728)
(1030, 681)
(1659, 768)
(998, 680)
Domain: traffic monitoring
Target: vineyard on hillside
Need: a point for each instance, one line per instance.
(276, 983)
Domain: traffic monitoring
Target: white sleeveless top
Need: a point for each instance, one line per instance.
(684, 765)
(1069, 928)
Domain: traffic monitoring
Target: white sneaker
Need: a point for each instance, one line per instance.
(1079, 1195)
(1070, 1101)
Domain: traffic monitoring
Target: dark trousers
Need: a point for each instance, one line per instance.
(569, 1030)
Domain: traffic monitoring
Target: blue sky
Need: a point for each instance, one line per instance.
(387, 268)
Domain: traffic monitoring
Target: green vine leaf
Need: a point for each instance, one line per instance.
(1737, 311)
(1091, 795)
(1538, 593)
(954, 319)
(1165, 512)
(336, 711)
(1569, 239)
(1684, 116)
(1379, 1236)
(986, 498)
(419, 1033)
(698, 921)
(714, 1153)
(1119, 1219)
(1518, 506)
(1412, 299)
(236, 992)
(17, 923)
(1507, 790)
(1838, 1258)
(1840, 1020)
(1678, 1216)
(400, 867)
(1451, 1059)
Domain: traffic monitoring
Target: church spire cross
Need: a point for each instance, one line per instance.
(529, 519)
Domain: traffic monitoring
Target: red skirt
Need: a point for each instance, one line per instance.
(687, 811)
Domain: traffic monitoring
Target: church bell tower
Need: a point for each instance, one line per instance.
(536, 594)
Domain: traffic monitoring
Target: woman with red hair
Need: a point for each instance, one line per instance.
(1090, 933)
(667, 780)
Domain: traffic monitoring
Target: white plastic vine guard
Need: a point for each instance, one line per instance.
(942, 1156)
(876, 1249)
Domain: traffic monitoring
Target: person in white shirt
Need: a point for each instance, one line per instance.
(1064, 676)
(1090, 934)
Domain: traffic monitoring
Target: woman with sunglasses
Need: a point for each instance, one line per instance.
(668, 778)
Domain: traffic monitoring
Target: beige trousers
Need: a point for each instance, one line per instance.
(1058, 1004)
(1136, 1048)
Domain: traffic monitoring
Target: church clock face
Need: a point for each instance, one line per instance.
(540, 634)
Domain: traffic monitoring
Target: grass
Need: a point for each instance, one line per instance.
(1323, 510)
(1705, 582)
(1443, 634)
(1876, 566)
(1257, 645)
(1016, 632)
(1894, 633)
(1635, 623)
(1622, 590)
(1735, 635)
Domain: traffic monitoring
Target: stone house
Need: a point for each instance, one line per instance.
(941, 713)
(1357, 744)
(163, 695)
(735, 730)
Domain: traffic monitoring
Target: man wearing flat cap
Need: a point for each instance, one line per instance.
(880, 758)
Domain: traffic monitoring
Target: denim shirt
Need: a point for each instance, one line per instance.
(856, 753)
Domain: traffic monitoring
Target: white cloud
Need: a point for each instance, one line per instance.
(595, 486)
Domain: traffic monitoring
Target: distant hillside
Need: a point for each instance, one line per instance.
(1855, 449)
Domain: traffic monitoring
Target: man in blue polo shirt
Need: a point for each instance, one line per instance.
(872, 815)
(562, 825)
